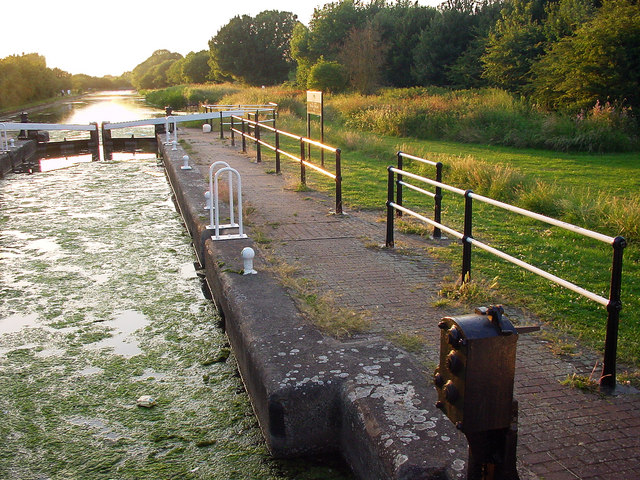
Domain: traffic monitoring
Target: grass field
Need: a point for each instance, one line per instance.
(594, 191)
(572, 185)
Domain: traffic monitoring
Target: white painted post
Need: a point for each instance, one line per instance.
(185, 159)
(247, 257)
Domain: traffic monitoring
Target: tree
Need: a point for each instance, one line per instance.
(327, 76)
(363, 55)
(331, 24)
(254, 50)
(195, 67)
(448, 35)
(515, 43)
(601, 62)
(152, 72)
(400, 26)
(301, 53)
(174, 73)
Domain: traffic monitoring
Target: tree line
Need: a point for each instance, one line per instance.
(26, 78)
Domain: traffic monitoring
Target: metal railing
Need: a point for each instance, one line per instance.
(613, 304)
(301, 159)
(241, 110)
(437, 195)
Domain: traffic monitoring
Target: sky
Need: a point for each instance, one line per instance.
(110, 37)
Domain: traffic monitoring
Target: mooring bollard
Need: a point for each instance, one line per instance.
(247, 257)
(207, 200)
(174, 146)
(185, 159)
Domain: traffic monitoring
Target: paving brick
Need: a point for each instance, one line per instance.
(595, 436)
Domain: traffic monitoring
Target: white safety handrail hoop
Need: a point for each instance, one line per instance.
(211, 213)
(217, 225)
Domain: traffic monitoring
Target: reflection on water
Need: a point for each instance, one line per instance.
(123, 327)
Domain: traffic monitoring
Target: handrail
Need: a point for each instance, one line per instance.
(437, 195)
(51, 126)
(613, 304)
(217, 226)
(304, 163)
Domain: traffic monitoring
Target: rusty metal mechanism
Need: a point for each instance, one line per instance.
(474, 381)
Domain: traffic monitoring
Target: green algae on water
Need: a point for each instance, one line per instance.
(101, 311)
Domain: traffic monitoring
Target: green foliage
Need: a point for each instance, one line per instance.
(152, 73)
(448, 35)
(599, 63)
(327, 77)
(196, 67)
(255, 50)
(400, 25)
(330, 26)
(26, 78)
(181, 96)
(514, 44)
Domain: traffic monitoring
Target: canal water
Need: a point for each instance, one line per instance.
(100, 306)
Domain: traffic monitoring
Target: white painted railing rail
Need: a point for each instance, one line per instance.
(92, 127)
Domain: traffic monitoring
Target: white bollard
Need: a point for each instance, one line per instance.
(206, 128)
(174, 146)
(12, 143)
(186, 165)
(247, 256)
(207, 196)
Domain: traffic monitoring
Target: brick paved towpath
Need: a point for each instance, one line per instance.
(564, 433)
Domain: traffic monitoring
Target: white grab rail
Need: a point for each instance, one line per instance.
(217, 225)
(211, 193)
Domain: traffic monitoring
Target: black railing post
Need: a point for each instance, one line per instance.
(258, 152)
(399, 186)
(389, 240)
(338, 181)
(221, 131)
(467, 234)
(437, 208)
(233, 138)
(608, 378)
(244, 139)
(277, 151)
(303, 175)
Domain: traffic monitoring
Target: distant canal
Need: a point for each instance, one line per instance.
(100, 306)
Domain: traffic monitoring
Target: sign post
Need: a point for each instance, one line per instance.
(315, 106)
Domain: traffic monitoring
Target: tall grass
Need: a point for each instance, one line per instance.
(487, 116)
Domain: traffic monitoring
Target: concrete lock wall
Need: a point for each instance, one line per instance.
(23, 151)
(312, 393)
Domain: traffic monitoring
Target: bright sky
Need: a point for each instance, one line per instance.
(109, 37)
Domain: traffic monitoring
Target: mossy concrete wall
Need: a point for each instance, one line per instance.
(313, 394)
